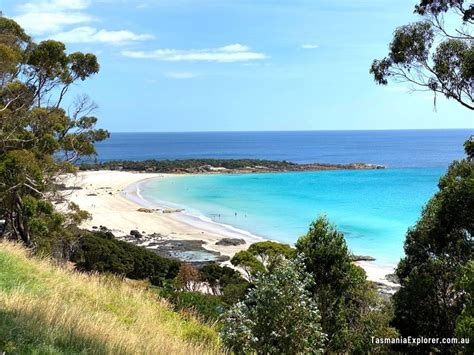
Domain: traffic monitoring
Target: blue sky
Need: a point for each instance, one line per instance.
(218, 65)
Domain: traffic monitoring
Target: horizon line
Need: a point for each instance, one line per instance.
(303, 130)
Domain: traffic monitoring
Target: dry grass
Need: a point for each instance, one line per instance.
(45, 308)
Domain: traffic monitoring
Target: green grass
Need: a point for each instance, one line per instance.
(48, 309)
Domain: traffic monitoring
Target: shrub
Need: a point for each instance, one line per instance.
(100, 252)
(188, 278)
(278, 316)
(351, 309)
(208, 307)
(224, 281)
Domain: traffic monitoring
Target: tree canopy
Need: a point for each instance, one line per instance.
(278, 315)
(39, 138)
(437, 248)
(259, 256)
(432, 54)
(349, 304)
(435, 298)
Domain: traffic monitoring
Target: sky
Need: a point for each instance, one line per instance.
(238, 65)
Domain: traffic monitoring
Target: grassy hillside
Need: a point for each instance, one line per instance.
(48, 309)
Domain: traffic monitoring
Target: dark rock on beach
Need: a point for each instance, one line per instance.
(135, 234)
(190, 251)
(393, 278)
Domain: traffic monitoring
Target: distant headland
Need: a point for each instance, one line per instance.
(219, 166)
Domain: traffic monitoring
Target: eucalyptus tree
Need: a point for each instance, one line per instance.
(435, 298)
(435, 53)
(39, 137)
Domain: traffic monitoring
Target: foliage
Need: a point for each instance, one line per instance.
(430, 55)
(465, 322)
(167, 166)
(188, 278)
(205, 306)
(440, 244)
(224, 281)
(100, 252)
(49, 309)
(278, 315)
(259, 256)
(350, 307)
(435, 295)
(38, 138)
(267, 251)
(226, 284)
(248, 263)
(469, 148)
(207, 165)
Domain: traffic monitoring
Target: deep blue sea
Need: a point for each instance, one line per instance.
(395, 149)
(373, 208)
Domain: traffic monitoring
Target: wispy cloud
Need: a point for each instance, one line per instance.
(227, 54)
(41, 17)
(180, 75)
(310, 46)
(51, 18)
(92, 35)
(57, 5)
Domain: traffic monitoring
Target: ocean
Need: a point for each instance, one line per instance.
(395, 149)
(373, 208)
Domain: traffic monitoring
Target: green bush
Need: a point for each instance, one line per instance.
(206, 306)
(278, 315)
(350, 307)
(225, 281)
(100, 252)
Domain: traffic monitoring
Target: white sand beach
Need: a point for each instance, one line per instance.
(112, 200)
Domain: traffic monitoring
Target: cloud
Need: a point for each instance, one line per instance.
(227, 54)
(92, 35)
(57, 5)
(180, 75)
(310, 46)
(50, 18)
(43, 17)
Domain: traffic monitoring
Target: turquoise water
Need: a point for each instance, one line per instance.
(373, 208)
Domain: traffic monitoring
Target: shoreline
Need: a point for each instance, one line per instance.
(132, 193)
(113, 199)
(110, 197)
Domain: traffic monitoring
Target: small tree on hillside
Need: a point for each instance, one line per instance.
(188, 278)
(351, 309)
(278, 316)
(260, 256)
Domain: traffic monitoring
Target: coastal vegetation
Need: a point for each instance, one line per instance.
(101, 252)
(435, 297)
(436, 273)
(67, 290)
(38, 138)
(434, 54)
(277, 316)
(218, 166)
(348, 304)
